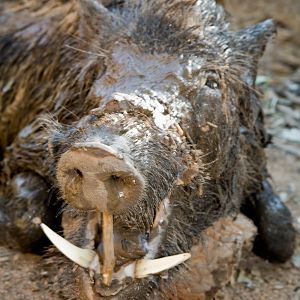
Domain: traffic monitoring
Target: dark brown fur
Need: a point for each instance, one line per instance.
(64, 58)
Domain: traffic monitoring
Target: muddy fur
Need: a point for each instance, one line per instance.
(61, 59)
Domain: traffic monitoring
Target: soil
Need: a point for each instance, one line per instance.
(24, 277)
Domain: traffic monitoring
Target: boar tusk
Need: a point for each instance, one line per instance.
(108, 247)
(145, 267)
(82, 257)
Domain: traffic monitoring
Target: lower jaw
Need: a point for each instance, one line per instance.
(90, 290)
(127, 279)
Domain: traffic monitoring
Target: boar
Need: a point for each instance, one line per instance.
(133, 126)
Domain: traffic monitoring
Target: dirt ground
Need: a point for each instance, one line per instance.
(23, 277)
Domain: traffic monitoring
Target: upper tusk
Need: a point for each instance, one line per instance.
(83, 257)
(145, 267)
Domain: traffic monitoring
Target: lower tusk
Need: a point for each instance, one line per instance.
(83, 257)
(145, 267)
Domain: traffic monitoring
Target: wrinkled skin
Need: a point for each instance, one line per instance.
(172, 96)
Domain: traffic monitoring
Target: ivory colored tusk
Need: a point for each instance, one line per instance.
(82, 257)
(108, 247)
(145, 267)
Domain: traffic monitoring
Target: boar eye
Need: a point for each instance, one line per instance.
(212, 83)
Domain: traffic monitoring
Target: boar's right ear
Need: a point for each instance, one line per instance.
(96, 19)
(251, 43)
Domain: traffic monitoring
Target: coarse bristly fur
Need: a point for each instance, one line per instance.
(165, 83)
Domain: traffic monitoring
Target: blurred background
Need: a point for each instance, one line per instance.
(283, 57)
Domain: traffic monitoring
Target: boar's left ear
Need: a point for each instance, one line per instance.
(251, 43)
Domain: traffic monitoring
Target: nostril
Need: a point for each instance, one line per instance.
(78, 172)
(73, 173)
(115, 177)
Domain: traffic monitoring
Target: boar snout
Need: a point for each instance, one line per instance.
(94, 176)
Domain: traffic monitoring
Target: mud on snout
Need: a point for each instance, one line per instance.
(116, 186)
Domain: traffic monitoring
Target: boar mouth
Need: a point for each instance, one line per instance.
(109, 279)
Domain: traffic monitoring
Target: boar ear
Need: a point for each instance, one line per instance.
(95, 18)
(253, 40)
(251, 43)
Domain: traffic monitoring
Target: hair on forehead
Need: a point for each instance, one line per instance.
(180, 27)
(164, 26)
